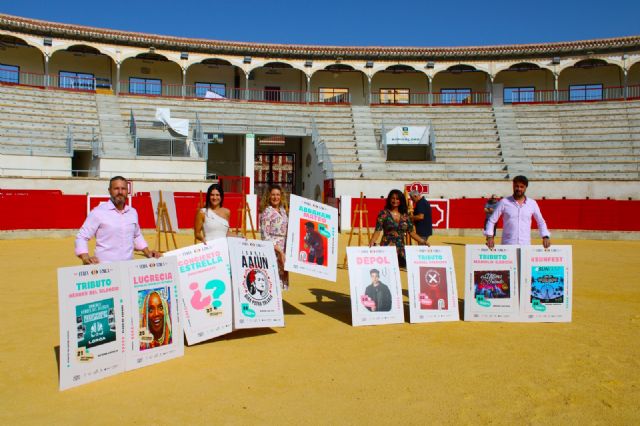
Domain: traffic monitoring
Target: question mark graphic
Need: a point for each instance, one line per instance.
(218, 288)
(197, 301)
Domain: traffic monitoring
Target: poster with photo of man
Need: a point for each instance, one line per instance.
(433, 295)
(205, 284)
(376, 290)
(257, 291)
(491, 288)
(92, 323)
(155, 328)
(546, 283)
(312, 239)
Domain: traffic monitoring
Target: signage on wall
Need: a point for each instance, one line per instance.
(422, 188)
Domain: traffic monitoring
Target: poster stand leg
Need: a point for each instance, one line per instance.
(163, 226)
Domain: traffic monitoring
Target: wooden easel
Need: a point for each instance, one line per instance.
(200, 206)
(358, 215)
(243, 211)
(163, 226)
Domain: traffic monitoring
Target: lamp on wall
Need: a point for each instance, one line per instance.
(308, 63)
(555, 60)
(47, 41)
(369, 64)
(184, 55)
(430, 65)
(247, 60)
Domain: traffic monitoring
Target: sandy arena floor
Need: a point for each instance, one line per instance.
(321, 370)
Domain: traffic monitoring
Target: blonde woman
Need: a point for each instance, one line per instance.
(273, 226)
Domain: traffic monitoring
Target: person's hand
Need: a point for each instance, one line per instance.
(89, 260)
(425, 242)
(155, 254)
(546, 242)
(490, 243)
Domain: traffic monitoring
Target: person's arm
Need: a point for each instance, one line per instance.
(491, 224)
(198, 227)
(151, 253)
(419, 239)
(87, 232)
(542, 226)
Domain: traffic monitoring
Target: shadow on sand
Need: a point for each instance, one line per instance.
(331, 303)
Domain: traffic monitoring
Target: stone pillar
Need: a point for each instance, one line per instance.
(250, 159)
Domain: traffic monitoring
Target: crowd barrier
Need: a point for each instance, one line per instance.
(51, 209)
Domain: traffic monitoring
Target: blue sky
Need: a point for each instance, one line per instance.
(352, 22)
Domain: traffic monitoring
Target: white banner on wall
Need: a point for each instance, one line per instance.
(257, 293)
(376, 291)
(205, 287)
(491, 288)
(92, 323)
(312, 239)
(433, 295)
(155, 330)
(408, 135)
(546, 284)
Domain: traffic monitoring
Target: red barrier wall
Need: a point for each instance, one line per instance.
(51, 209)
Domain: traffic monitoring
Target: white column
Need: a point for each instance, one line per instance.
(368, 97)
(246, 97)
(555, 87)
(430, 95)
(117, 91)
(46, 70)
(308, 88)
(250, 159)
(184, 82)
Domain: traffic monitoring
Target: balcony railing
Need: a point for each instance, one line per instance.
(425, 98)
(11, 76)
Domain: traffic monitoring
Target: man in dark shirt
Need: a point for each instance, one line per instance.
(378, 292)
(313, 240)
(421, 216)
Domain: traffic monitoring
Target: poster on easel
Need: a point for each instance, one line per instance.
(433, 295)
(546, 287)
(491, 287)
(92, 323)
(205, 288)
(376, 290)
(155, 329)
(257, 292)
(312, 239)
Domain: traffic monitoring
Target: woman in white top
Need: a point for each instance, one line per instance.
(213, 220)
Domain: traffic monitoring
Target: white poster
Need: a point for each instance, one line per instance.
(491, 289)
(92, 323)
(205, 287)
(312, 239)
(546, 284)
(257, 293)
(408, 135)
(433, 295)
(376, 291)
(155, 330)
(170, 203)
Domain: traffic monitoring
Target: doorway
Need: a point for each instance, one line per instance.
(275, 168)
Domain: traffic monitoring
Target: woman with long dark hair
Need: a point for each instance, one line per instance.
(212, 221)
(394, 222)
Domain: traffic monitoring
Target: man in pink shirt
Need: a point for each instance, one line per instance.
(115, 226)
(517, 211)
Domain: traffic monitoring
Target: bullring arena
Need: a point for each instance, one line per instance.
(80, 105)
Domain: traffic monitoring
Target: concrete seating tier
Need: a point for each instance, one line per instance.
(37, 119)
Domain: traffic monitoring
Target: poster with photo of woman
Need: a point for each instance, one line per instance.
(155, 328)
(433, 295)
(257, 292)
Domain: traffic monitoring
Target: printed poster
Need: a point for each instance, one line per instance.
(155, 330)
(491, 289)
(312, 239)
(92, 323)
(205, 287)
(257, 292)
(547, 284)
(376, 291)
(433, 295)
